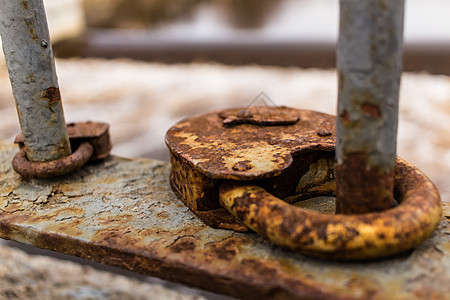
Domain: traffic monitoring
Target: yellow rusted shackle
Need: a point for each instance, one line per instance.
(361, 236)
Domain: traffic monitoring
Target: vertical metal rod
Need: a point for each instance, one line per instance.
(30, 62)
(369, 65)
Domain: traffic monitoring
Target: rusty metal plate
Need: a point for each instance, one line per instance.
(122, 212)
(259, 145)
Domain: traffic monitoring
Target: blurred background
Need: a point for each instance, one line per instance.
(142, 65)
(298, 33)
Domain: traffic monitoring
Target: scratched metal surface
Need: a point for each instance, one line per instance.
(122, 212)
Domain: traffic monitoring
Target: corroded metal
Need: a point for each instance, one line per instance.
(369, 56)
(90, 139)
(262, 115)
(54, 168)
(247, 168)
(275, 147)
(361, 236)
(30, 62)
(215, 150)
(122, 212)
(96, 133)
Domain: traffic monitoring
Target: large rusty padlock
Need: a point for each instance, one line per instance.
(243, 168)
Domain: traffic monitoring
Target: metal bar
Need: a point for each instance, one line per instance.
(369, 66)
(29, 58)
(431, 57)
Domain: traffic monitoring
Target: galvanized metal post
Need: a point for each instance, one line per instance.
(369, 57)
(30, 62)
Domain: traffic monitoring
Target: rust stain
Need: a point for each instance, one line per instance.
(183, 244)
(371, 110)
(71, 228)
(52, 95)
(260, 115)
(24, 4)
(69, 211)
(30, 21)
(345, 118)
(220, 218)
(373, 188)
(383, 5)
(108, 219)
(368, 289)
(324, 132)
(114, 237)
(241, 166)
(31, 77)
(163, 215)
(223, 250)
(32, 32)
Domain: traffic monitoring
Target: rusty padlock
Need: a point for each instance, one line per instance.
(241, 168)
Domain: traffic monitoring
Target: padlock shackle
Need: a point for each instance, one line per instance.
(347, 237)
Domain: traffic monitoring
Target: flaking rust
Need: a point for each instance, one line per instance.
(346, 237)
(122, 212)
(96, 133)
(369, 64)
(52, 95)
(54, 168)
(271, 146)
(247, 160)
(90, 140)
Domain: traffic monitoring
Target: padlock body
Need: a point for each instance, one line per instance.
(291, 155)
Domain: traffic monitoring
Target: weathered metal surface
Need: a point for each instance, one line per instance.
(356, 237)
(362, 189)
(96, 133)
(54, 168)
(290, 161)
(262, 115)
(29, 58)
(201, 179)
(274, 146)
(90, 139)
(122, 212)
(369, 56)
(222, 152)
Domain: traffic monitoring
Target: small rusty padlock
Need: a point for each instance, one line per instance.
(89, 140)
(241, 168)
